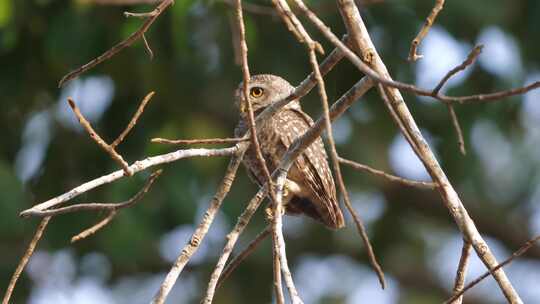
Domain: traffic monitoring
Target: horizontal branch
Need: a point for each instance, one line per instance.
(99, 206)
(135, 168)
(200, 141)
(387, 176)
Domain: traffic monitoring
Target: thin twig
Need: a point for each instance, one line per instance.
(232, 237)
(365, 68)
(514, 255)
(133, 120)
(101, 143)
(471, 58)
(191, 247)
(101, 206)
(118, 47)
(135, 167)
(425, 28)
(147, 47)
(253, 8)
(461, 272)
(95, 228)
(387, 176)
(295, 26)
(237, 260)
(337, 171)
(24, 260)
(457, 128)
(200, 141)
(250, 116)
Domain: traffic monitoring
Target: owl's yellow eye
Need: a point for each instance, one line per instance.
(256, 92)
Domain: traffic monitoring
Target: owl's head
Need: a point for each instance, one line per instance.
(263, 90)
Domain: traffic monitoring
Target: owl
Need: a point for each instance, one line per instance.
(309, 188)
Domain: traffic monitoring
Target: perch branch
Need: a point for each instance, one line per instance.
(413, 56)
(277, 230)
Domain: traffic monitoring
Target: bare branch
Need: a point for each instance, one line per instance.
(250, 116)
(191, 247)
(101, 143)
(99, 206)
(95, 228)
(135, 167)
(118, 47)
(24, 260)
(514, 255)
(133, 120)
(277, 230)
(337, 171)
(232, 237)
(451, 199)
(462, 270)
(237, 260)
(387, 176)
(457, 128)
(425, 29)
(471, 58)
(253, 8)
(200, 141)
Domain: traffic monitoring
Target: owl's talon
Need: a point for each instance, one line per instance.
(269, 214)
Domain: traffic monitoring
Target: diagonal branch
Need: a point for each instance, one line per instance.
(100, 142)
(462, 270)
(413, 56)
(133, 120)
(237, 260)
(118, 47)
(514, 255)
(24, 260)
(191, 247)
(451, 199)
(232, 237)
(337, 171)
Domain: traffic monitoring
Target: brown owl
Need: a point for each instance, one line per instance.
(309, 188)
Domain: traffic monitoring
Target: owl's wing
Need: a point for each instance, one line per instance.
(312, 165)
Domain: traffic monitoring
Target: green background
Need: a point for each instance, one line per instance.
(194, 74)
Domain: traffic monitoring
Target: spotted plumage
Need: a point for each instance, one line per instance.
(309, 186)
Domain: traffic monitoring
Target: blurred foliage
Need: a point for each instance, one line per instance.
(194, 75)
